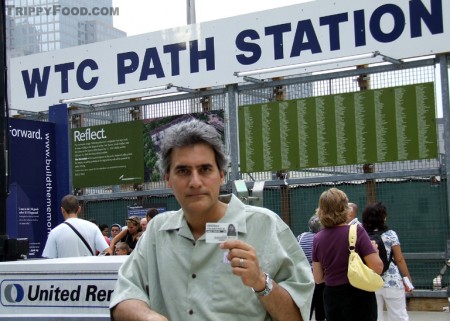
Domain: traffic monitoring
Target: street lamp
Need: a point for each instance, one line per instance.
(190, 10)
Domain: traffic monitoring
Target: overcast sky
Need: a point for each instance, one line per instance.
(142, 16)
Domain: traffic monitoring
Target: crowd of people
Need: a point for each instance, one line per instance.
(262, 272)
(341, 300)
(78, 237)
(123, 240)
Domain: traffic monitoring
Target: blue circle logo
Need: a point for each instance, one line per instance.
(9, 293)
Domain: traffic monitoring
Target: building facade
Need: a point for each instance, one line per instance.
(34, 26)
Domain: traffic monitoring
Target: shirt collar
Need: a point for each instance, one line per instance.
(235, 213)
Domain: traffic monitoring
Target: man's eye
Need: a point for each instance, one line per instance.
(205, 170)
(182, 171)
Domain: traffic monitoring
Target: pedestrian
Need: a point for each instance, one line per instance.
(342, 301)
(122, 248)
(392, 294)
(353, 214)
(174, 274)
(105, 231)
(151, 213)
(128, 235)
(143, 224)
(75, 237)
(305, 240)
(115, 229)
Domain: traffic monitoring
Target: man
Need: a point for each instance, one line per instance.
(143, 223)
(353, 214)
(174, 274)
(151, 213)
(63, 241)
(352, 218)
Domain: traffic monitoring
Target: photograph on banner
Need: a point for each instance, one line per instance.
(154, 132)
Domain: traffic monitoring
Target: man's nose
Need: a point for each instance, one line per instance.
(195, 180)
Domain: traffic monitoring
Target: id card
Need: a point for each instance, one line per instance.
(220, 232)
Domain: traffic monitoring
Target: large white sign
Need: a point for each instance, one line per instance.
(208, 54)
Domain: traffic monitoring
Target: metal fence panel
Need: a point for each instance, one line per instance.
(415, 192)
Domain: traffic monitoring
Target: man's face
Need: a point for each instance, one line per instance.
(144, 224)
(114, 231)
(195, 179)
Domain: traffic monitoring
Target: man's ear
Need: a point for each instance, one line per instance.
(64, 213)
(166, 177)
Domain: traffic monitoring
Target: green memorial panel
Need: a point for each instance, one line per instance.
(370, 126)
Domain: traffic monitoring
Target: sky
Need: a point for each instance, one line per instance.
(143, 16)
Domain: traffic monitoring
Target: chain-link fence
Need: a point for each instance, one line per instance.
(414, 192)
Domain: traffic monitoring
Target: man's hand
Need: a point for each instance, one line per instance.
(244, 263)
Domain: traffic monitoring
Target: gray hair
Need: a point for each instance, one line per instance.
(191, 133)
(314, 224)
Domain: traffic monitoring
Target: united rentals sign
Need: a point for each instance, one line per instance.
(55, 296)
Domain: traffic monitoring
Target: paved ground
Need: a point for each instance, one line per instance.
(428, 316)
(423, 316)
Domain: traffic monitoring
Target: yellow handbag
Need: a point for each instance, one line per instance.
(359, 274)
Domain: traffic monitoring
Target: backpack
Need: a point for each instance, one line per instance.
(376, 236)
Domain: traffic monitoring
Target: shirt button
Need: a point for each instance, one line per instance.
(194, 276)
(191, 312)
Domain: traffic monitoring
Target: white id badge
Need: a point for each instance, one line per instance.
(220, 232)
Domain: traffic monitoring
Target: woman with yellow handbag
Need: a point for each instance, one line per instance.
(343, 302)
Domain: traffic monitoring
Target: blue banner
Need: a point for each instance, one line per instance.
(141, 211)
(32, 209)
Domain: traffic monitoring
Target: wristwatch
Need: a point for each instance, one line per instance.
(267, 289)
